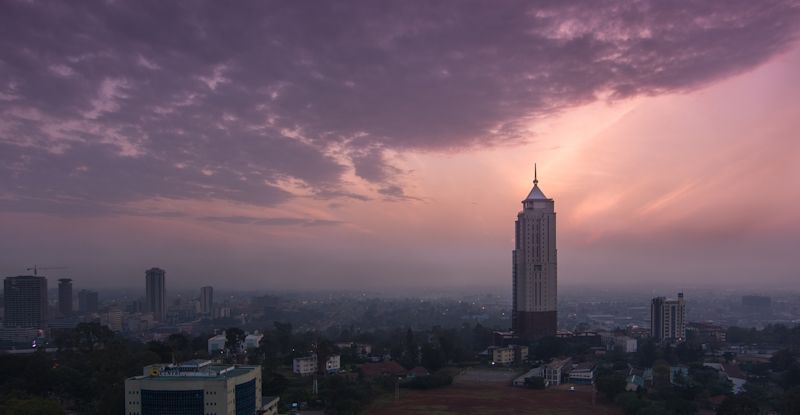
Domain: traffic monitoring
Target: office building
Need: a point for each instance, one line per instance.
(534, 295)
(195, 387)
(155, 293)
(668, 319)
(25, 302)
(87, 301)
(206, 300)
(65, 297)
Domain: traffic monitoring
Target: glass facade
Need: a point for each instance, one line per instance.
(246, 398)
(156, 402)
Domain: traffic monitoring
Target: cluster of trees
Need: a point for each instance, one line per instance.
(86, 375)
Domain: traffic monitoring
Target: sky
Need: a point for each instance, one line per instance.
(376, 145)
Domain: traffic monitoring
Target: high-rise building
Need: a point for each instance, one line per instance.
(87, 301)
(194, 387)
(25, 302)
(155, 295)
(206, 300)
(534, 274)
(65, 296)
(668, 319)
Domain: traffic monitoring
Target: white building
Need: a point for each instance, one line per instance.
(216, 344)
(252, 341)
(556, 370)
(308, 365)
(626, 344)
(196, 387)
(668, 319)
(535, 267)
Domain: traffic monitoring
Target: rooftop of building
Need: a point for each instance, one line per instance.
(193, 370)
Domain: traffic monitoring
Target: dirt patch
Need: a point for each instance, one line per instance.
(489, 399)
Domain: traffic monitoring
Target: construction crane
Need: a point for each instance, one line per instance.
(36, 269)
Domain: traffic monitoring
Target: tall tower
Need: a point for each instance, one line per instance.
(25, 302)
(535, 270)
(206, 300)
(668, 319)
(65, 297)
(156, 293)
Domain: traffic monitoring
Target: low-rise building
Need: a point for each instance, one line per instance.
(556, 371)
(372, 371)
(307, 365)
(626, 344)
(252, 341)
(216, 344)
(582, 373)
(707, 332)
(508, 355)
(269, 405)
(194, 387)
(360, 349)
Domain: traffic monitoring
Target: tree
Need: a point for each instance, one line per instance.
(33, 406)
(433, 358)
(91, 336)
(234, 338)
(630, 402)
(738, 405)
(611, 385)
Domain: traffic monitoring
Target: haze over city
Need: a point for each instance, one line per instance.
(389, 144)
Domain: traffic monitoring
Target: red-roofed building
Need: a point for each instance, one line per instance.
(388, 368)
(418, 371)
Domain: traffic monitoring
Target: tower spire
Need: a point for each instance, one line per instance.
(535, 176)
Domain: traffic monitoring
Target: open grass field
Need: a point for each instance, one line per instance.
(481, 392)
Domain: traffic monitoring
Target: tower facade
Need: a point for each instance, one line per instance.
(65, 296)
(535, 282)
(206, 300)
(668, 319)
(155, 295)
(25, 302)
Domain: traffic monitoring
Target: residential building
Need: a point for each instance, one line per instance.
(87, 301)
(195, 387)
(65, 297)
(360, 349)
(269, 405)
(511, 354)
(25, 302)
(534, 274)
(155, 293)
(732, 373)
(668, 319)
(308, 365)
(206, 300)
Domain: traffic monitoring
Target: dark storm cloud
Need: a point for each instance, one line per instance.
(104, 103)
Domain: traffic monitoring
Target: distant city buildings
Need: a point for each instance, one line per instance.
(155, 293)
(756, 304)
(65, 297)
(194, 387)
(207, 300)
(87, 301)
(534, 296)
(668, 319)
(708, 332)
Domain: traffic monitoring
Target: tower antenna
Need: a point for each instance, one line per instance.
(535, 176)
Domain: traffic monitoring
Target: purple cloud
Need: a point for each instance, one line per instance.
(106, 103)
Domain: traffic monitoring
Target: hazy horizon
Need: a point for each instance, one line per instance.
(305, 146)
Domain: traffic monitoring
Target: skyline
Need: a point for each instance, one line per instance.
(343, 146)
